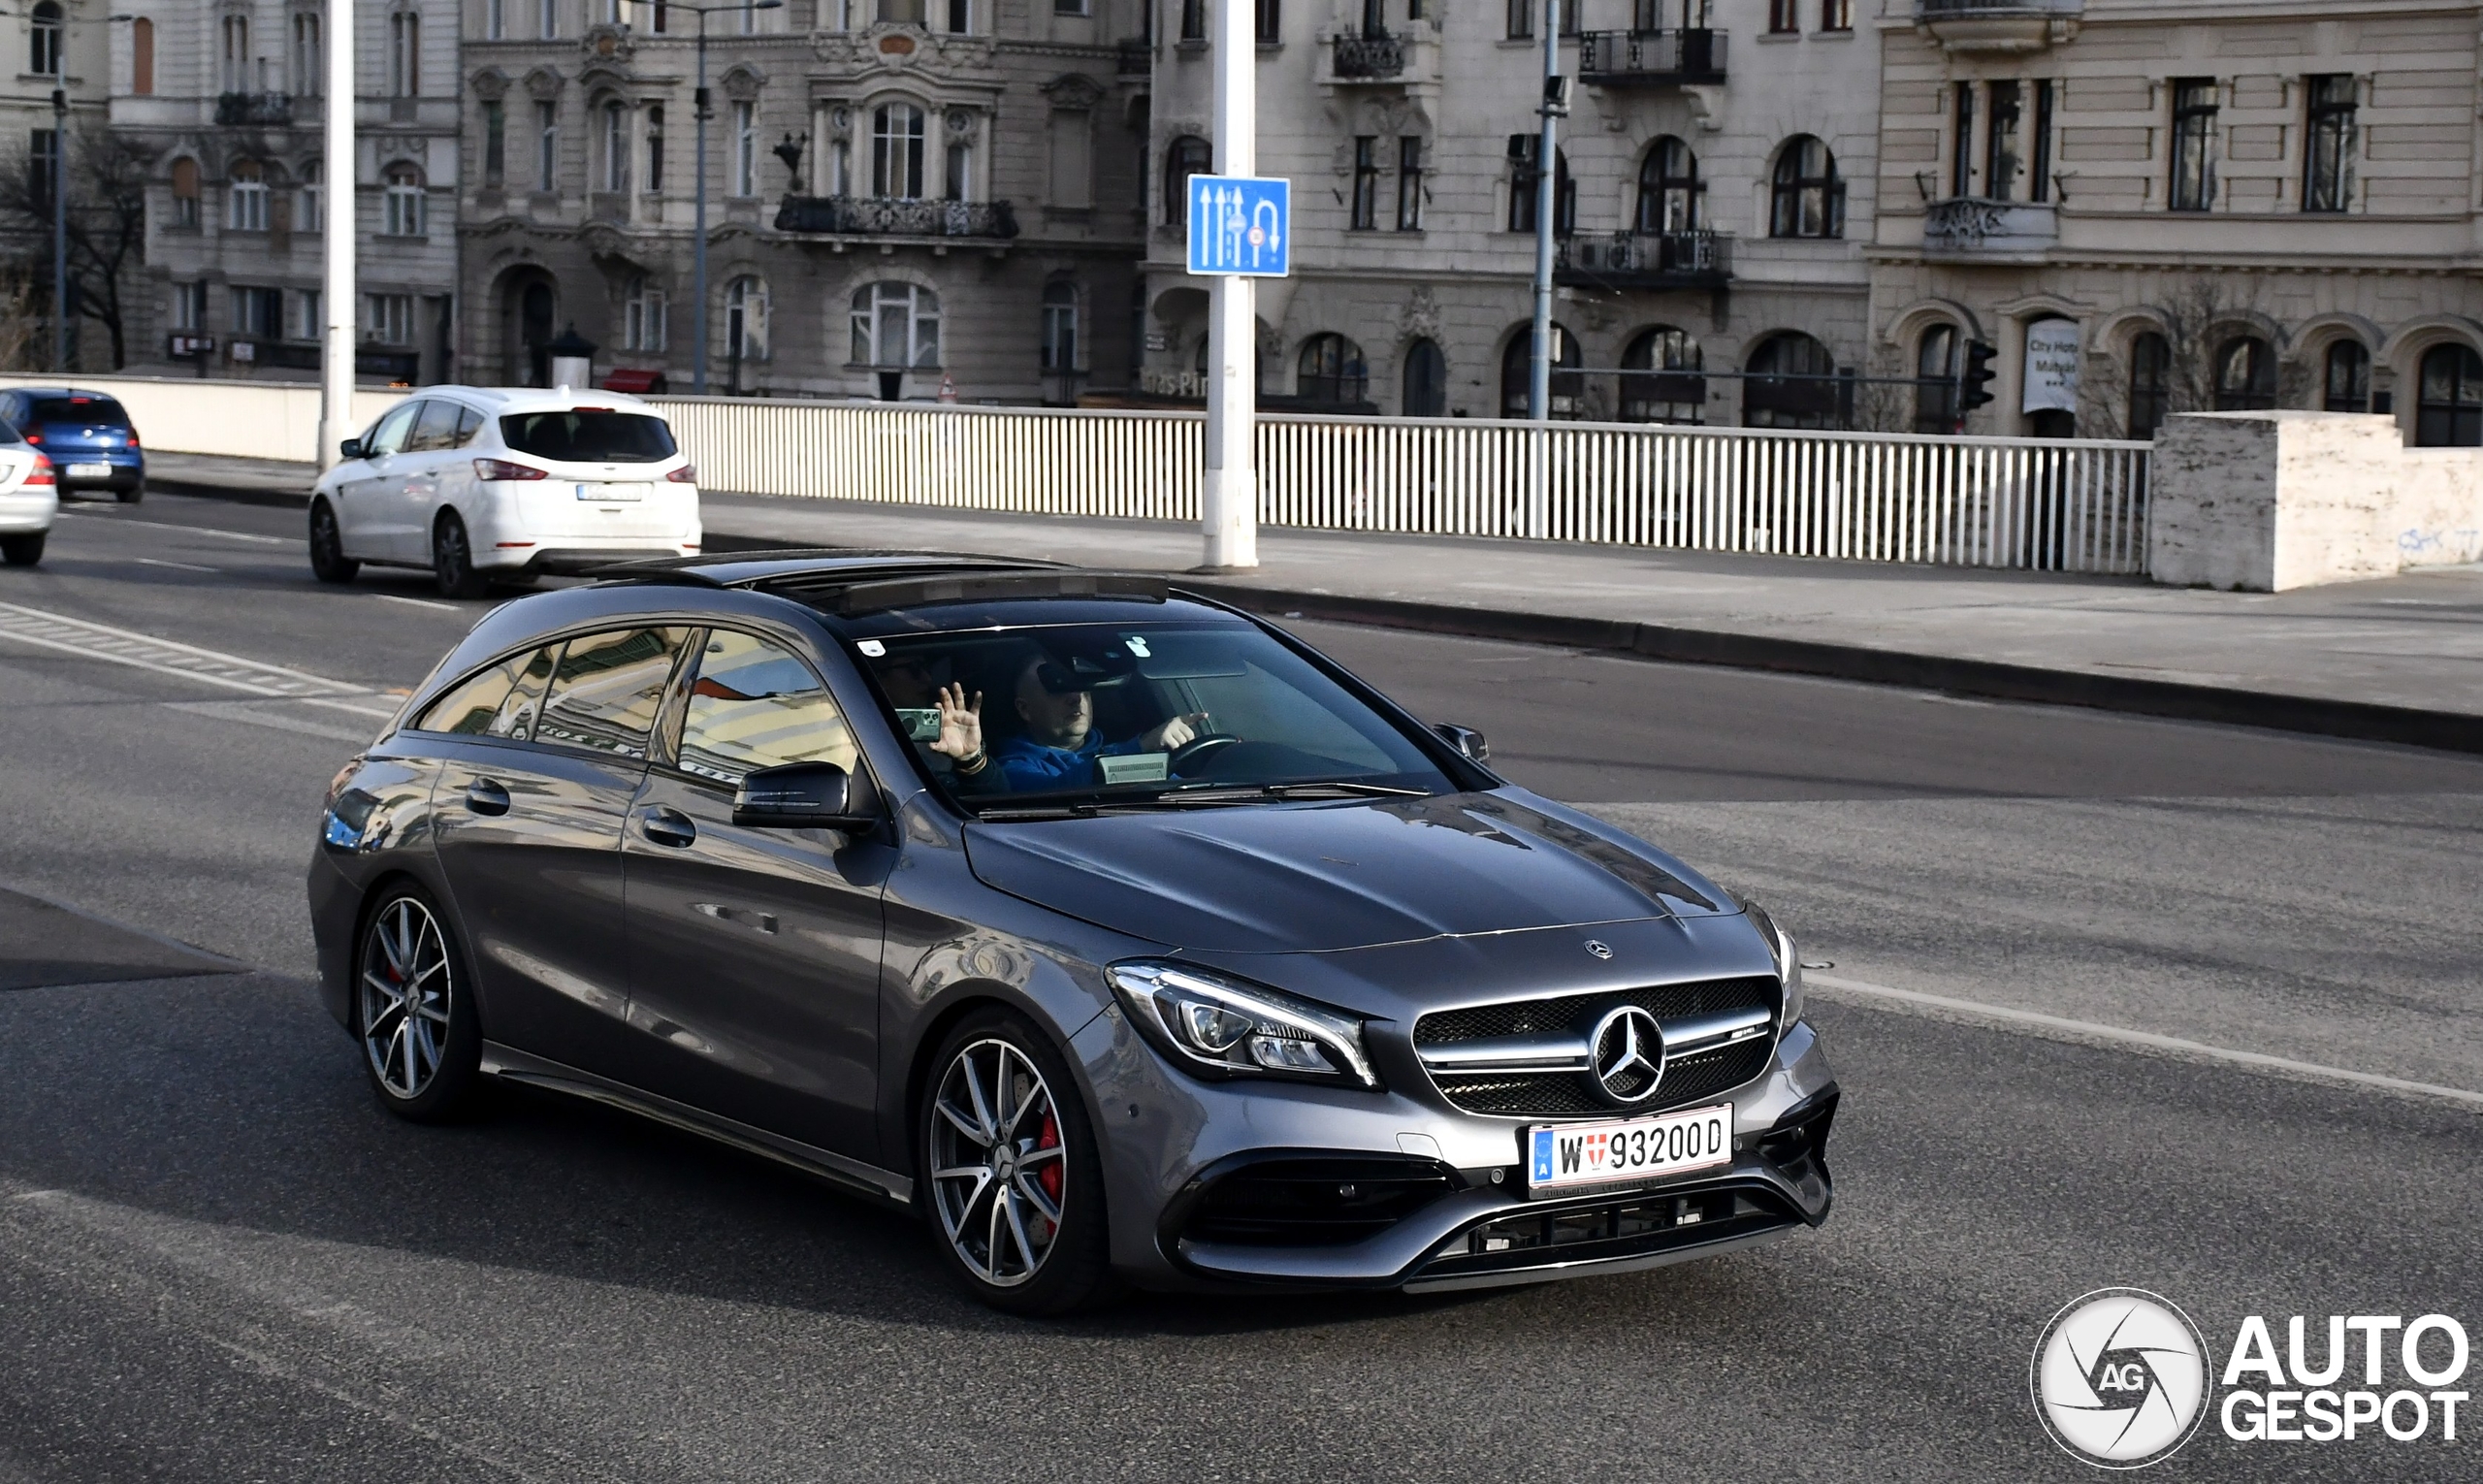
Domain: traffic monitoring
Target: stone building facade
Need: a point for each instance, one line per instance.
(228, 98)
(906, 198)
(51, 42)
(1717, 180)
(2244, 204)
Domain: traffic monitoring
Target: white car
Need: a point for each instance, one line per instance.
(29, 499)
(502, 483)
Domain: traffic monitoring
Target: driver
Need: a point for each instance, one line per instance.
(1059, 746)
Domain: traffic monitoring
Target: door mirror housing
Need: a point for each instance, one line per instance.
(350, 448)
(806, 796)
(1468, 742)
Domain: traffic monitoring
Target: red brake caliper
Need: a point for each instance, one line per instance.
(1048, 1176)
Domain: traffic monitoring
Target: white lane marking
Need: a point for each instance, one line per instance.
(257, 713)
(230, 536)
(187, 566)
(419, 603)
(102, 641)
(337, 705)
(2089, 1030)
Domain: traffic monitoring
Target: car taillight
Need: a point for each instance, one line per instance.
(688, 473)
(501, 468)
(34, 438)
(40, 473)
(133, 438)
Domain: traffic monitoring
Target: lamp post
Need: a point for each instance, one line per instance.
(336, 239)
(60, 28)
(701, 110)
(1547, 205)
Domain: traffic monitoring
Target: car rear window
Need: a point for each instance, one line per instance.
(93, 412)
(586, 437)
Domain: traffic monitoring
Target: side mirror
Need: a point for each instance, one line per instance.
(806, 796)
(1466, 740)
(350, 448)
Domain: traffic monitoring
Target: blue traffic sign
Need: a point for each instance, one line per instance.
(1240, 225)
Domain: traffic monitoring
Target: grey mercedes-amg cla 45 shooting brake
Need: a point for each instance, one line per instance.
(1122, 937)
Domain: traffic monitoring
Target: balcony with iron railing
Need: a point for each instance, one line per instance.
(1999, 25)
(1375, 56)
(884, 216)
(1651, 59)
(265, 109)
(1645, 261)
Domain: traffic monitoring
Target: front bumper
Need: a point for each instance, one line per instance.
(23, 511)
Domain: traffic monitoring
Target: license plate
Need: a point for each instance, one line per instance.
(1576, 1156)
(612, 492)
(91, 471)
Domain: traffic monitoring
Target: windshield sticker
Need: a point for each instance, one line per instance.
(1134, 767)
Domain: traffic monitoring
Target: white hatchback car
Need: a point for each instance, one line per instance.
(29, 499)
(486, 483)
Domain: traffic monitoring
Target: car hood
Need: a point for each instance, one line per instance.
(1316, 878)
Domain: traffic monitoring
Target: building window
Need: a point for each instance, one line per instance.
(1659, 381)
(495, 143)
(1837, 15)
(43, 165)
(1809, 197)
(306, 324)
(2348, 380)
(1409, 182)
(189, 305)
(1060, 327)
(2245, 376)
(247, 196)
(548, 18)
(2041, 188)
(1073, 159)
(1935, 380)
(1525, 186)
(2004, 149)
(2194, 112)
(43, 40)
(1792, 385)
(895, 325)
(897, 150)
(1188, 156)
(2327, 163)
(402, 202)
(1366, 199)
(2450, 412)
(663, 21)
(956, 177)
(1069, 7)
(495, 19)
(388, 318)
(547, 146)
(309, 67)
(2150, 385)
(1268, 21)
(749, 19)
(1962, 145)
(643, 324)
(1517, 374)
(1426, 388)
(313, 216)
(1521, 19)
(258, 312)
(960, 17)
(404, 55)
(904, 13)
(185, 192)
(655, 148)
(235, 58)
(746, 319)
(1331, 371)
(746, 151)
(615, 147)
(142, 57)
(1784, 17)
(1669, 188)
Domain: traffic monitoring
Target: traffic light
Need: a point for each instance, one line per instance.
(1973, 387)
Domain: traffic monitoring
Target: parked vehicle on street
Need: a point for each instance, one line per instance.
(1120, 935)
(482, 484)
(29, 499)
(87, 436)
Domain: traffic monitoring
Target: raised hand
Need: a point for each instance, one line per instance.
(960, 724)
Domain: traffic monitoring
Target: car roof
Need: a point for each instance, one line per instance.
(853, 581)
(535, 399)
(58, 391)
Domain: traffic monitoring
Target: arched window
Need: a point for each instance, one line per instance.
(2450, 412)
(896, 324)
(1669, 188)
(404, 55)
(896, 151)
(1935, 380)
(2347, 384)
(1659, 381)
(246, 199)
(401, 198)
(1331, 370)
(615, 147)
(644, 316)
(1809, 195)
(1186, 156)
(2150, 385)
(1426, 389)
(746, 321)
(2246, 374)
(1517, 364)
(1525, 186)
(185, 192)
(1060, 328)
(1792, 385)
(142, 57)
(43, 50)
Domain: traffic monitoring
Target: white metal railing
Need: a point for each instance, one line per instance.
(2062, 505)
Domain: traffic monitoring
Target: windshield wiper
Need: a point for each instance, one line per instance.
(1332, 787)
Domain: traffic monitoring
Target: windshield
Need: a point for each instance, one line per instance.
(1114, 714)
(90, 411)
(589, 436)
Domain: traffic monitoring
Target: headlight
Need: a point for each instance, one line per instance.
(1224, 1028)
(1789, 963)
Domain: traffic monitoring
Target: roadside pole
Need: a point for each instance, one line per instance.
(336, 235)
(1229, 494)
(1547, 203)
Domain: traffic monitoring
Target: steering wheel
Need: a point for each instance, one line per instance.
(1206, 745)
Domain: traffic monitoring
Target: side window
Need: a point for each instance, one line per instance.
(496, 702)
(469, 422)
(435, 427)
(389, 435)
(607, 688)
(755, 706)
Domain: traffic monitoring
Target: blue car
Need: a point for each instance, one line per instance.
(87, 436)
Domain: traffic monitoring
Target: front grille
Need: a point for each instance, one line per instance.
(1571, 1095)
(1314, 1201)
(1625, 1226)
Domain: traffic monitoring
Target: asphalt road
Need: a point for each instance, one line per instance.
(218, 1260)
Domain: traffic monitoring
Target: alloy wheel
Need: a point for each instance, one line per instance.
(999, 1169)
(406, 984)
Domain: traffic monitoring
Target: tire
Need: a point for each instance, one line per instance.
(414, 1014)
(134, 494)
(1000, 1253)
(328, 560)
(452, 560)
(23, 550)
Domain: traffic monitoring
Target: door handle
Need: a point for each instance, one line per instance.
(666, 825)
(485, 795)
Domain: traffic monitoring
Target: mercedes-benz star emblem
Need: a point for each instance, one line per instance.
(1598, 949)
(1629, 1055)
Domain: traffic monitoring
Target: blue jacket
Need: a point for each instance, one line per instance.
(1031, 767)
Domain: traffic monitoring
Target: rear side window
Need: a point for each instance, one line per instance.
(607, 688)
(755, 706)
(588, 437)
(93, 412)
(469, 423)
(496, 702)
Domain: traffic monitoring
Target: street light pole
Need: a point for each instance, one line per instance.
(700, 110)
(1547, 202)
(60, 201)
(336, 239)
(1229, 501)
